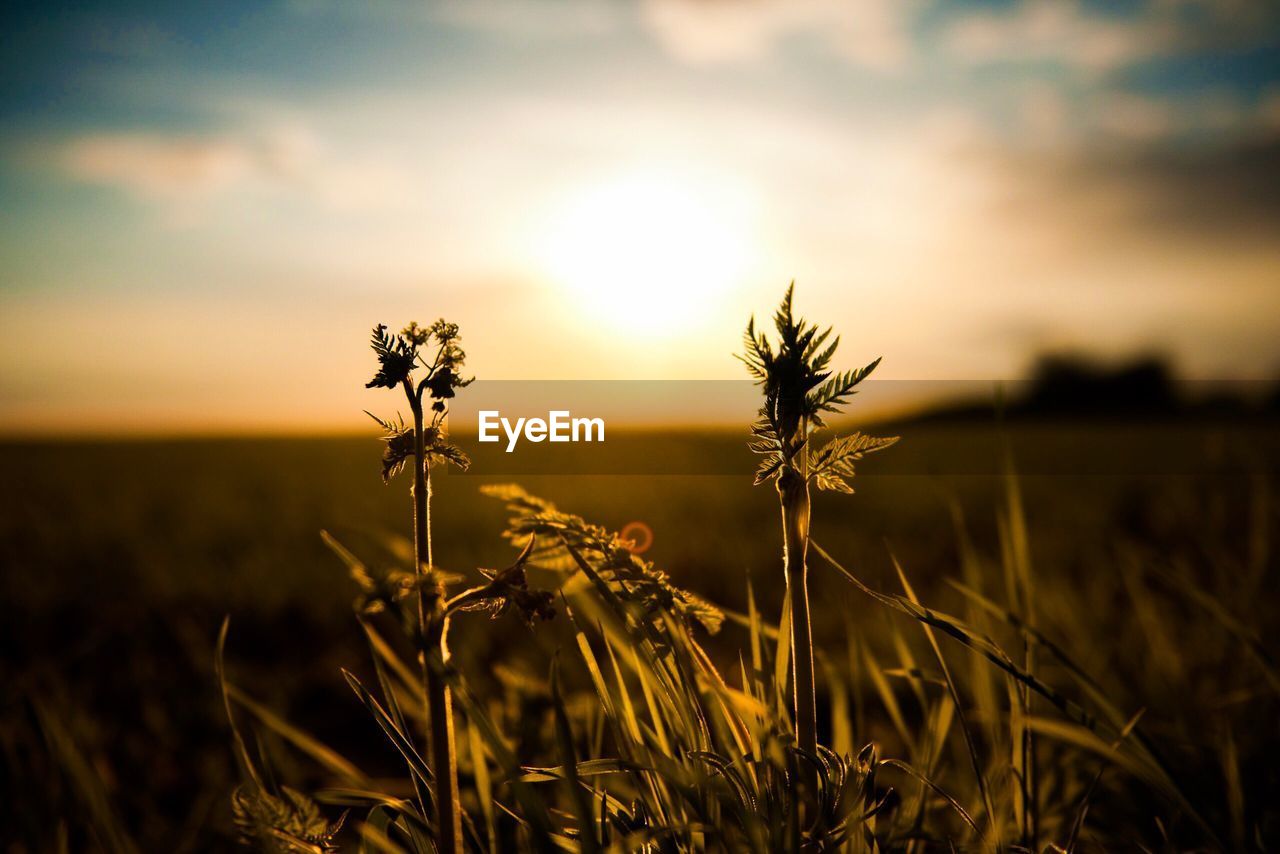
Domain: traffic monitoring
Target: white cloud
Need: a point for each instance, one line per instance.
(157, 166)
(870, 33)
(185, 172)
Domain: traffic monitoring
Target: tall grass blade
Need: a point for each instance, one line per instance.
(578, 796)
(86, 782)
(398, 738)
(305, 742)
(993, 827)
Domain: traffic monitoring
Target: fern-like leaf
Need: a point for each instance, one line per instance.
(289, 823)
(799, 387)
(832, 465)
(633, 579)
(836, 391)
(396, 357)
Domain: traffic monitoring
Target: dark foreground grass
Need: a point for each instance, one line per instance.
(1146, 562)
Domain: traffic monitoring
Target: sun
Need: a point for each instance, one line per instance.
(648, 253)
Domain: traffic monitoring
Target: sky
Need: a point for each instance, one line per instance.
(207, 206)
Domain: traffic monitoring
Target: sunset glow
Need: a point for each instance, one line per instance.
(199, 190)
(647, 254)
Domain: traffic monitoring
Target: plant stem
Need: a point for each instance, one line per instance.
(444, 760)
(421, 501)
(433, 623)
(793, 494)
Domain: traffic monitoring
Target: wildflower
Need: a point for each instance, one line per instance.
(425, 444)
(441, 383)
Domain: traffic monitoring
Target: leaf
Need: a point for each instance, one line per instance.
(832, 464)
(395, 735)
(768, 468)
(396, 357)
(1084, 721)
(836, 391)
(291, 823)
(84, 778)
(579, 797)
(969, 741)
(798, 388)
(629, 577)
(219, 666)
(446, 452)
(484, 785)
(305, 742)
(968, 637)
(586, 768)
(937, 790)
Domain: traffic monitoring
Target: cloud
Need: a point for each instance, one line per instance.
(1174, 208)
(157, 166)
(1269, 110)
(519, 21)
(1132, 117)
(1108, 246)
(1061, 32)
(892, 35)
(522, 20)
(873, 34)
(1211, 118)
(1095, 39)
(187, 171)
(130, 40)
(1056, 116)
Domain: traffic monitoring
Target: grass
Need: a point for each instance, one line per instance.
(707, 762)
(1089, 647)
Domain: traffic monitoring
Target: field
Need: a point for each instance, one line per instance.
(1151, 548)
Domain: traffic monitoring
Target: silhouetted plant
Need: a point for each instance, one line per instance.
(799, 389)
(634, 579)
(704, 766)
(664, 753)
(423, 445)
